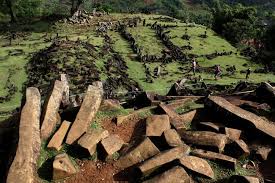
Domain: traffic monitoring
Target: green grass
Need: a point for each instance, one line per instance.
(188, 106)
(147, 40)
(18, 63)
(46, 158)
(145, 37)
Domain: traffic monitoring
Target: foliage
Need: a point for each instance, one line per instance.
(235, 23)
(269, 38)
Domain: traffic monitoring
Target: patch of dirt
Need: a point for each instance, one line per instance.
(91, 171)
(99, 171)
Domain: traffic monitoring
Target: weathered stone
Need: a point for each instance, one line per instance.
(86, 113)
(243, 179)
(263, 151)
(121, 119)
(112, 144)
(51, 107)
(63, 167)
(241, 117)
(205, 139)
(175, 175)
(197, 165)
(143, 151)
(58, 137)
(172, 138)
(209, 126)
(66, 92)
(175, 119)
(237, 148)
(188, 117)
(110, 105)
(92, 138)
(163, 158)
(157, 124)
(232, 134)
(223, 159)
(23, 168)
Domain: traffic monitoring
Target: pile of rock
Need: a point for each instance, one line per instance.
(31, 134)
(168, 151)
(79, 17)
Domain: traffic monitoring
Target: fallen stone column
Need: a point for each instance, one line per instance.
(162, 158)
(205, 138)
(176, 174)
(225, 160)
(240, 117)
(57, 139)
(143, 151)
(23, 168)
(175, 119)
(197, 165)
(87, 112)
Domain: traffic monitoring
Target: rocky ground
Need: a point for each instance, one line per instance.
(151, 138)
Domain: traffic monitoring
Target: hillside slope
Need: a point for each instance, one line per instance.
(113, 59)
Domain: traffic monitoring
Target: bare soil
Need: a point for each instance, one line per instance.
(100, 171)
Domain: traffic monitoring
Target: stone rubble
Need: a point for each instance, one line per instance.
(168, 151)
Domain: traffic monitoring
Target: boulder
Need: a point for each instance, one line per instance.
(23, 167)
(157, 124)
(66, 92)
(112, 144)
(163, 158)
(87, 112)
(197, 165)
(223, 159)
(243, 179)
(175, 119)
(203, 138)
(209, 126)
(57, 139)
(90, 139)
(232, 134)
(143, 151)
(50, 110)
(237, 149)
(240, 117)
(63, 167)
(175, 175)
(172, 138)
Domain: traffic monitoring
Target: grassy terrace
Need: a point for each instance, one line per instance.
(146, 37)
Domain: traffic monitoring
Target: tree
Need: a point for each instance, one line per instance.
(76, 4)
(236, 23)
(9, 4)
